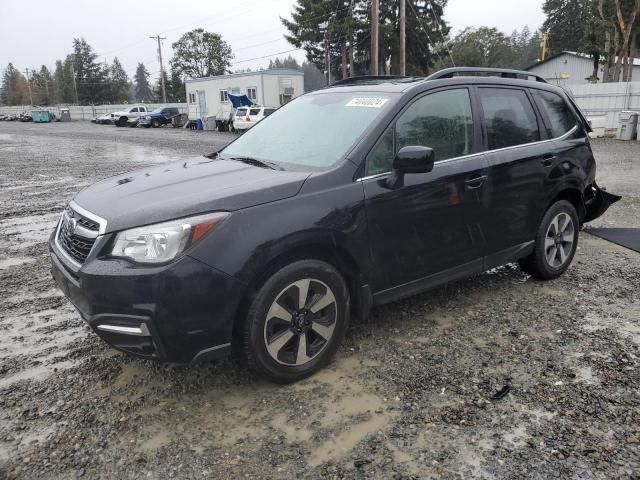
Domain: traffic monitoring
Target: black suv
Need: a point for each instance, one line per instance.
(345, 198)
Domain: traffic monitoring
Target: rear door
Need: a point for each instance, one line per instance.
(520, 156)
(429, 228)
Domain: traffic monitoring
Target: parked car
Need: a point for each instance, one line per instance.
(246, 117)
(120, 119)
(104, 119)
(159, 117)
(345, 198)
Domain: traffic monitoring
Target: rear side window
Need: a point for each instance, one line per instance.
(254, 111)
(557, 115)
(509, 117)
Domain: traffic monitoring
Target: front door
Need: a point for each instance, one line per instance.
(202, 104)
(431, 223)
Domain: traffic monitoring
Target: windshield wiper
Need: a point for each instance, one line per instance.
(258, 163)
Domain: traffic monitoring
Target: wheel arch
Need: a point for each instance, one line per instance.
(336, 256)
(572, 195)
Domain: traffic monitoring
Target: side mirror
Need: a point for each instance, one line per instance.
(414, 159)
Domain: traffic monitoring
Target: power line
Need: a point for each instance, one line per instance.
(267, 56)
(444, 40)
(425, 30)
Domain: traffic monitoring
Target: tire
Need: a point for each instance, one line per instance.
(276, 326)
(155, 123)
(555, 244)
(122, 122)
(146, 125)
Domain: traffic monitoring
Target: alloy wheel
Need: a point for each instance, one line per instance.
(300, 322)
(559, 240)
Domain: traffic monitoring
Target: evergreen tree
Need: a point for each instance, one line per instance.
(42, 86)
(566, 23)
(348, 29)
(118, 82)
(143, 89)
(91, 77)
(15, 90)
(63, 91)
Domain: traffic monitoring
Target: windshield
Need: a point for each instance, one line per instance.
(312, 131)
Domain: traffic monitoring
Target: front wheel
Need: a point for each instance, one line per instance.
(155, 123)
(296, 321)
(556, 242)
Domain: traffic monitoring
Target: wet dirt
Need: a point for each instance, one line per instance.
(408, 395)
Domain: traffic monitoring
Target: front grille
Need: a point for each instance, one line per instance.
(77, 234)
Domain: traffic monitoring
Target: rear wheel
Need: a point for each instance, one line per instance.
(556, 242)
(155, 123)
(296, 321)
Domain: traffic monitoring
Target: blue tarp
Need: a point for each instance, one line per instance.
(240, 100)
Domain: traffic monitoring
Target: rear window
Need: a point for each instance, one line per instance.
(241, 112)
(254, 111)
(509, 117)
(557, 116)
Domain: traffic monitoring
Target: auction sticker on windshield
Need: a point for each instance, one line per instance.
(371, 102)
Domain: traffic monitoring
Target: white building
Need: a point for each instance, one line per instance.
(272, 88)
(571, 68)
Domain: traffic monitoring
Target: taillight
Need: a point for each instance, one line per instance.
(247, 119)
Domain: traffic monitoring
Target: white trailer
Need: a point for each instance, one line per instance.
(208, 96)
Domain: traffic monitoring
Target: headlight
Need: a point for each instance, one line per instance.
(164, 241)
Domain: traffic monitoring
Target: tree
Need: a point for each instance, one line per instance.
(14, 87)
(143, 89)
(482, 47)
(63, 91)
(199, 53)
(42, 86)
(285, 62)
(313, 78)
(118, 82)
(91, 77)
(345, 27)
(526, 47)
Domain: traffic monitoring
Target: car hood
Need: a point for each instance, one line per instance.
(179, 189)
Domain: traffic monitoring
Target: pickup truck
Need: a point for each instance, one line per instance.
(120, 119)
(158, 118)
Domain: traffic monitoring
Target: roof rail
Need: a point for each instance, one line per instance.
(494, 72)
(367, 78)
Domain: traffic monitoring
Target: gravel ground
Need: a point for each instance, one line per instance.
(409, 395)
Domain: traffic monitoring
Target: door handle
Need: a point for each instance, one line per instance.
(475, 182)
(547, 160)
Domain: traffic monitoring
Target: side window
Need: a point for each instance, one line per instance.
(134, 110)
(440, 120)
(509, 117)
(557, 114)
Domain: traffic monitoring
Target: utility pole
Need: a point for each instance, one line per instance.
(374, 37)
(29, 85)
(164, 92)
(75, 85)
(403, 39)
(327, 56)
(543, 54)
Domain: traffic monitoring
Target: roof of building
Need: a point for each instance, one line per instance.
(583, 56)
(272, 71)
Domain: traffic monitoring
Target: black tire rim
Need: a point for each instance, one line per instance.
(300, 322)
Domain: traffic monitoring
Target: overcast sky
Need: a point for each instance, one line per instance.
(36, 32)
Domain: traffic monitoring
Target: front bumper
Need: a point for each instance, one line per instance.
(180, 312)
